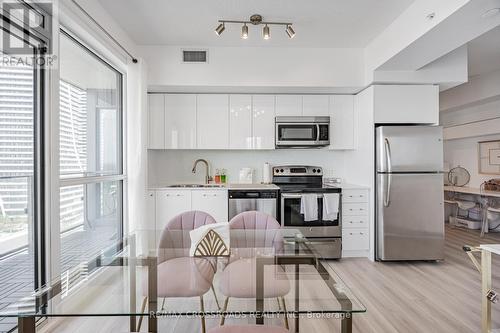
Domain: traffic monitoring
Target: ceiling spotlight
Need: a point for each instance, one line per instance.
(220, 29)
(289, 31)
(266, 32)
(244, 31)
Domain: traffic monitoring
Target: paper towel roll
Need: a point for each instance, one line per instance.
(266, 173)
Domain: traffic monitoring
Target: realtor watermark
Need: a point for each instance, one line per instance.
(251, 315)
(26, 33)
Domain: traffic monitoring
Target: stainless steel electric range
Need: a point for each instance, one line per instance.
(294, 181)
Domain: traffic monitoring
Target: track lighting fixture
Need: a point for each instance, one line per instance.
(266, 33)
(220, 29)
(244, 31)
(255, 19)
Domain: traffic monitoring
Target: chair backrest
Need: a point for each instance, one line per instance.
(254, 220)
(174, 240)
(260, 233)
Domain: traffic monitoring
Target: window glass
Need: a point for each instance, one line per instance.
(90, 137)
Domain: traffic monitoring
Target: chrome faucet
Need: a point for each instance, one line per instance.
(208, 178)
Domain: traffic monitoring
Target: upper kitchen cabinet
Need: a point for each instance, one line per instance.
(156, 121)
(406, 104)
(240, 122)
(213, 121)
(263, 114)
(180, 121)
(288, 105)
(342, 122)
(315, 105)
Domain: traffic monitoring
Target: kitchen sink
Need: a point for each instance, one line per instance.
(196, 185)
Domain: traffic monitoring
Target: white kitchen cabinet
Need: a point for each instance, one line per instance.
(213, 202)
(156, 121)
(343, 122)
(355, 222)
(150, 214)
(240, 122)
(180, 121)
(355, 240)
(288, 105)
(406, 104)
(263, 113)
(170, 203)
(315, 105)
(212, 121)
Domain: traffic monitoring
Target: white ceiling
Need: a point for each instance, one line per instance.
(484, 53)
(317, 23)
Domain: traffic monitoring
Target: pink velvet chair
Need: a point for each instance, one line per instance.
(180, 275)
(238, 278)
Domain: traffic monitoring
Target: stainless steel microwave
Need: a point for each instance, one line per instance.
(302, 132)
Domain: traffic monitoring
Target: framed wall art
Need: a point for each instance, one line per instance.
(489, 157)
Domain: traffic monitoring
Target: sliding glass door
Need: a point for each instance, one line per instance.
(21, 175)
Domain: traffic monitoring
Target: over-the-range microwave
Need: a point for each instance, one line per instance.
(302, 132)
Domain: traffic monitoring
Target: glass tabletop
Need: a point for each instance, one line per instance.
(157, 271)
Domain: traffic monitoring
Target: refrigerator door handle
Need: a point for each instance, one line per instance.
(388, 155)
(387, 191)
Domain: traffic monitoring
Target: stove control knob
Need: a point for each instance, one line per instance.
(282, 170)
(314, 170)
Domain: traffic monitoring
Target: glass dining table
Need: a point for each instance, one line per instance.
(125, 280)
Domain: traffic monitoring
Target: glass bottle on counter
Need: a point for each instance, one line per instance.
(223, 177)
(217, 177)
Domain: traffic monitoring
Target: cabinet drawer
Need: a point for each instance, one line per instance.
(350, 222)
(355, 239)
(349, 209)
(355, 196)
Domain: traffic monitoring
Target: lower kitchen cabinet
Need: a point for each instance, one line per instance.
(214, 202)
(355, 222)
(170, 202)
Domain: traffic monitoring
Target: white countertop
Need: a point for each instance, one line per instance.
(238, 186)
(471, 190)
(230, 186)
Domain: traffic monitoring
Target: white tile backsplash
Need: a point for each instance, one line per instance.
(170, 166)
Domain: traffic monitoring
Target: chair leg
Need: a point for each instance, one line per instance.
(143, 307)
(485, 221)
(163, 304)
(286, 314)
(202, 308)
(215, 296)
(224, 308)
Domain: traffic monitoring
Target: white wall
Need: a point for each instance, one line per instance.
(477, 100)
(171, 166)
(256, 66)
(360, 163)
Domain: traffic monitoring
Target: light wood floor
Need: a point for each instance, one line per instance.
(421, 297)
(399, 297)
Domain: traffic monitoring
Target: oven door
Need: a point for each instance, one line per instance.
(297, 134)
(292, 218)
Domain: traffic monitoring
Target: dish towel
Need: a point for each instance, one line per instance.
(330, 206)
(309, 207)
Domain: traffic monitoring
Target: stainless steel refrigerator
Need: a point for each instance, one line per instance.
(409, 193)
